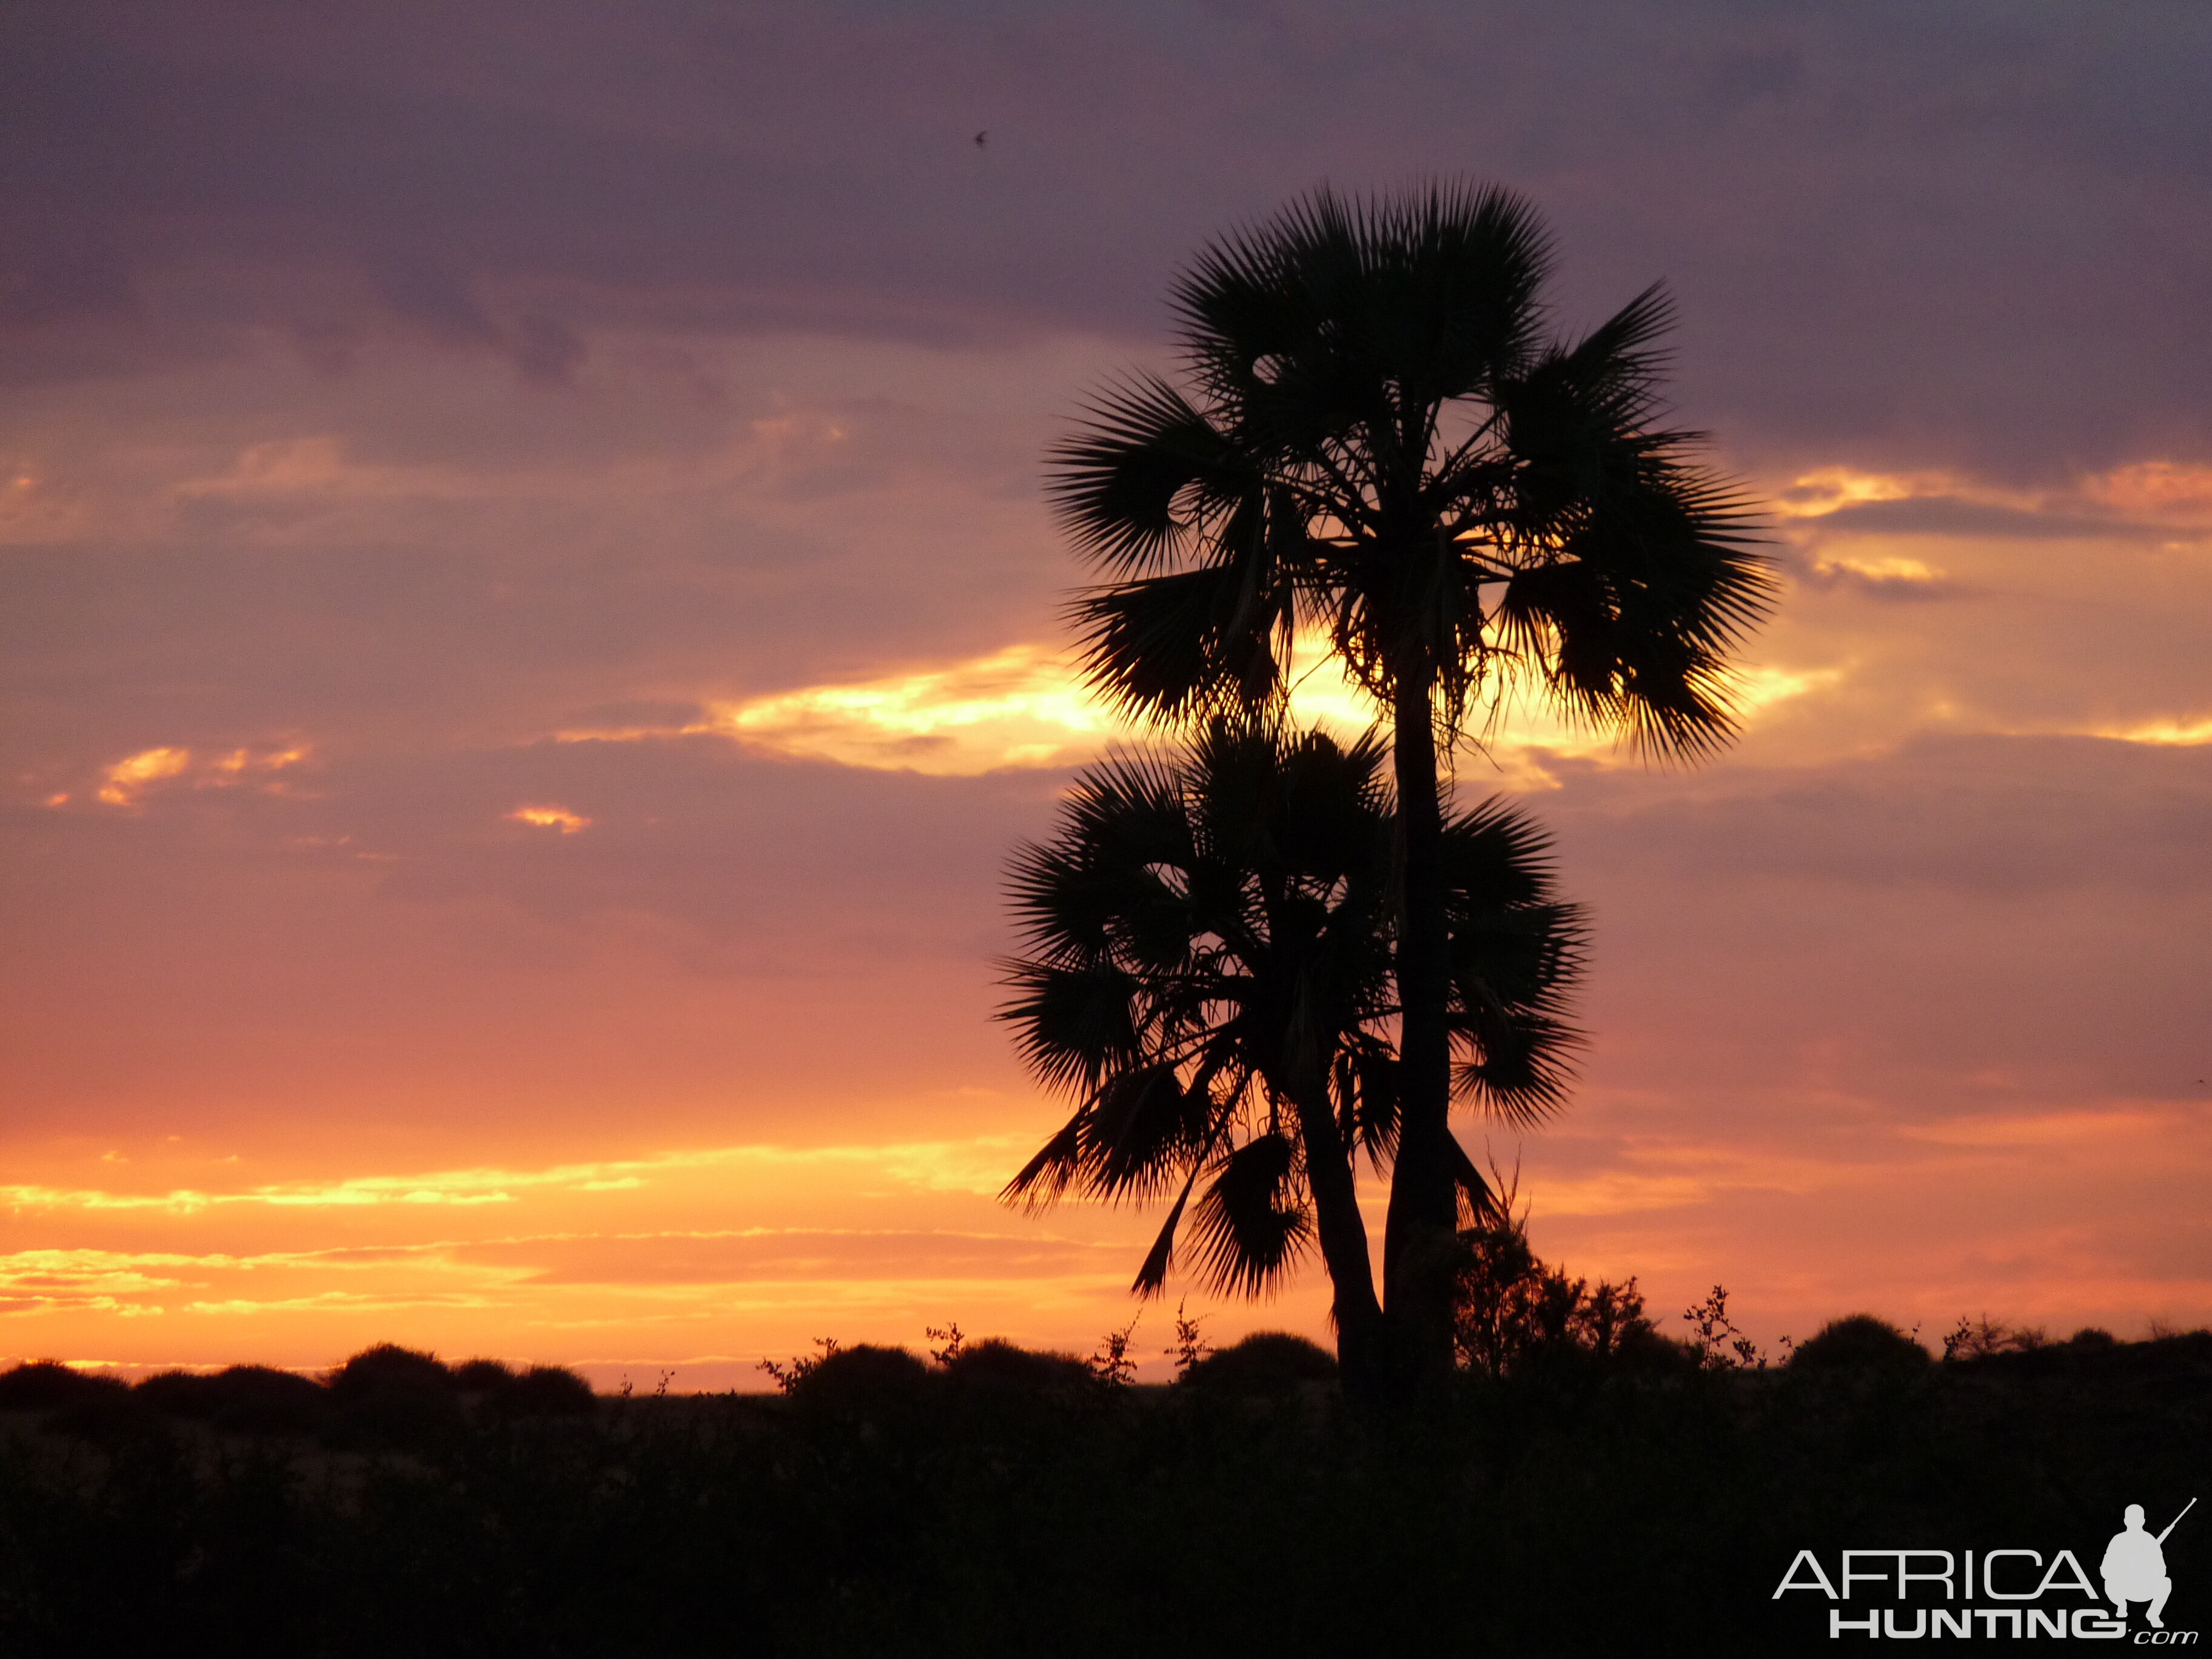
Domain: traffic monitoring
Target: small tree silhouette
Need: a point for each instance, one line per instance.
(1510, 1308)
(1190, 1344)
(1111, 1364)
(788, 1377)
(1718, 1345)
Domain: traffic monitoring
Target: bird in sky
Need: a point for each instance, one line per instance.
(980, 136)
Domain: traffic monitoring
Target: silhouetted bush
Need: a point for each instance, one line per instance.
(1859, 1341)
(865, 1379)
(1265, 1362)
(998, 1366)
(389, 1369)
(1982, 1339)
(1643, 1349)
(546, 1391)
(481, 1377)
(242, 1399)
(46, 1385)
(388, 1395)
(1513, 1310)
(259, 1399)
(179, 1393)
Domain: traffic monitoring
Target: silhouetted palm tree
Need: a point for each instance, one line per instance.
(1378, 440)
(1209, 974)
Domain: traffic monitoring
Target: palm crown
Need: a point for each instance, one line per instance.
(1209, 974)
(1376, 439)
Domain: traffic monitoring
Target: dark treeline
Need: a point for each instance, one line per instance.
(1634, 1496)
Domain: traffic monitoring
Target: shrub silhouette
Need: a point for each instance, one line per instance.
(864, 1380)
(388, 1394)
(545, 1391)
(481, 1377)
(999, 1366)
(1512, 1310)
(1270, 1363)
(1859, 1341)
(1983, 1338)
(389, 1369)
(45, 1385)
(540, 1391)
(242, 1399)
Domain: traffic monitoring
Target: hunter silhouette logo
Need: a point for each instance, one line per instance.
(2023, 1593)
(2135, 1565)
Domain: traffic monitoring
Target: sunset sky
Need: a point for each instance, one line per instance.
(530, 630)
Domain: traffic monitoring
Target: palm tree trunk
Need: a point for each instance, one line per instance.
(1423, 1215)
(1361, 1348)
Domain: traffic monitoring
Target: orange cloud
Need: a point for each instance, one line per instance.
(551, 818)
(2184, 731)
(129, 776)
(2165, 489)
(1830, 489)
(1028, 706)
(1879, 570)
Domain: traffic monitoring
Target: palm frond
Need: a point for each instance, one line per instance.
(1496, 857)
(1514, 956)
(1152, 1273)
(1040, 1182)
(1523, 1067)
(1172, 648)
(1630, 626)
(1144, 471)
(1141, 1130)
(1480, 1204)
(1073, 1026)
(1252, 1224)
(1105, 888)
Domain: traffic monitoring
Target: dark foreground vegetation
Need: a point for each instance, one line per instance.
(1645, 1498)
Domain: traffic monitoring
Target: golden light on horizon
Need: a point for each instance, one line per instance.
(669, 1255)
(977, 1166)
